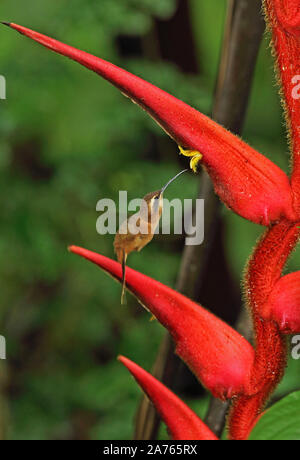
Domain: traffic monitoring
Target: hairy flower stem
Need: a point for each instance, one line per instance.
(264, 269)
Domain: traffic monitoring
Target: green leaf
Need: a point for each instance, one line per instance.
(281, 422)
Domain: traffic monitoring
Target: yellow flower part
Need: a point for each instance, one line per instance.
(194, 163)
(195, 160)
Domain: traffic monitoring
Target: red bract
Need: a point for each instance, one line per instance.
(220, 357)
(284, 18)
(245, 180)
(283, 305)
(182, 422)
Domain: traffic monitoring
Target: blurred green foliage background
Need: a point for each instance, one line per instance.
(68, 139)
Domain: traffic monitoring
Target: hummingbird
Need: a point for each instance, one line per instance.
(137, 231)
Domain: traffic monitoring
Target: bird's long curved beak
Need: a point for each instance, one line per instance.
(172, 180)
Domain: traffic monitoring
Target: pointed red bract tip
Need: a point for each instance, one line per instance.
(182, 422)
(283, 305)
(247, 182)
(218, 355)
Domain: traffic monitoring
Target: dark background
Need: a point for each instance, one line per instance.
(68, 139)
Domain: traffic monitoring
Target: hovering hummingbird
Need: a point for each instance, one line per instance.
(146, 221)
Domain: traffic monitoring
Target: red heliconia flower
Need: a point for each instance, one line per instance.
(284, 16)
(218, 355)
(182, 422)
(283, 305)
(245, 180)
